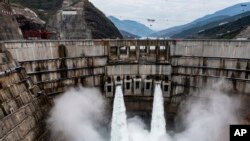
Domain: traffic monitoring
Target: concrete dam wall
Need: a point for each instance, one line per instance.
(57, 65)
(31, 69)
(198, 63)
(187, 64)
(181, 67)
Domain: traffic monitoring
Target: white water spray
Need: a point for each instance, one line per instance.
(203, 119)
(119, 129)
(158, 123)
(77, 116)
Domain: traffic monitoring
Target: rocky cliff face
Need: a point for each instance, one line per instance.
(15, 20)
(65, 19)
(9, 29)
(81, 20)
(99, 24)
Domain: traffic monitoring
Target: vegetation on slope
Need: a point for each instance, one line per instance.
(194, 32)
(228, 30)
(179, 31)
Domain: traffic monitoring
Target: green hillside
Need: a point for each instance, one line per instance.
(226, 31)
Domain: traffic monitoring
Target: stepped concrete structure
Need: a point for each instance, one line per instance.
(23, 105)
(32, 71)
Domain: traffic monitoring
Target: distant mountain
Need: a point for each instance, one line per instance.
(132, 27)
(194, 32)
(219, 15)
(127, 35)
(228, 30)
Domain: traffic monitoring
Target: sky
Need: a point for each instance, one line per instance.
(166, 13)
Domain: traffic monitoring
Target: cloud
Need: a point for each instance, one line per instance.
(166, 12)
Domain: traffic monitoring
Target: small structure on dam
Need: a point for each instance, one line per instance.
(138, 66)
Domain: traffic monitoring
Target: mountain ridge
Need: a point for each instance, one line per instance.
(193, 32)
(131, 26)
(229, 11)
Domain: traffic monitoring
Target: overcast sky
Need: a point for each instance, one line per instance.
(167, 13)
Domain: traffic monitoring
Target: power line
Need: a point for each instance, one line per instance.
(150, 20)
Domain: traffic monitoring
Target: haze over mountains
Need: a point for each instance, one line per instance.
(131, 27)
(217, 16)
(227, 30)
(189, 30)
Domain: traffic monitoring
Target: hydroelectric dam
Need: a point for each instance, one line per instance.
(34, 72)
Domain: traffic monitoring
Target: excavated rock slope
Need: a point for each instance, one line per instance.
(244, 33)
(81, 20)
(9, 29)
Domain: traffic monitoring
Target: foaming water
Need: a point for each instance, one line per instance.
(158, 123)
(203, 118)
(119, 129)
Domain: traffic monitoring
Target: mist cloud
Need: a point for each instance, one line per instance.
(78, 115)
(207, 117)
